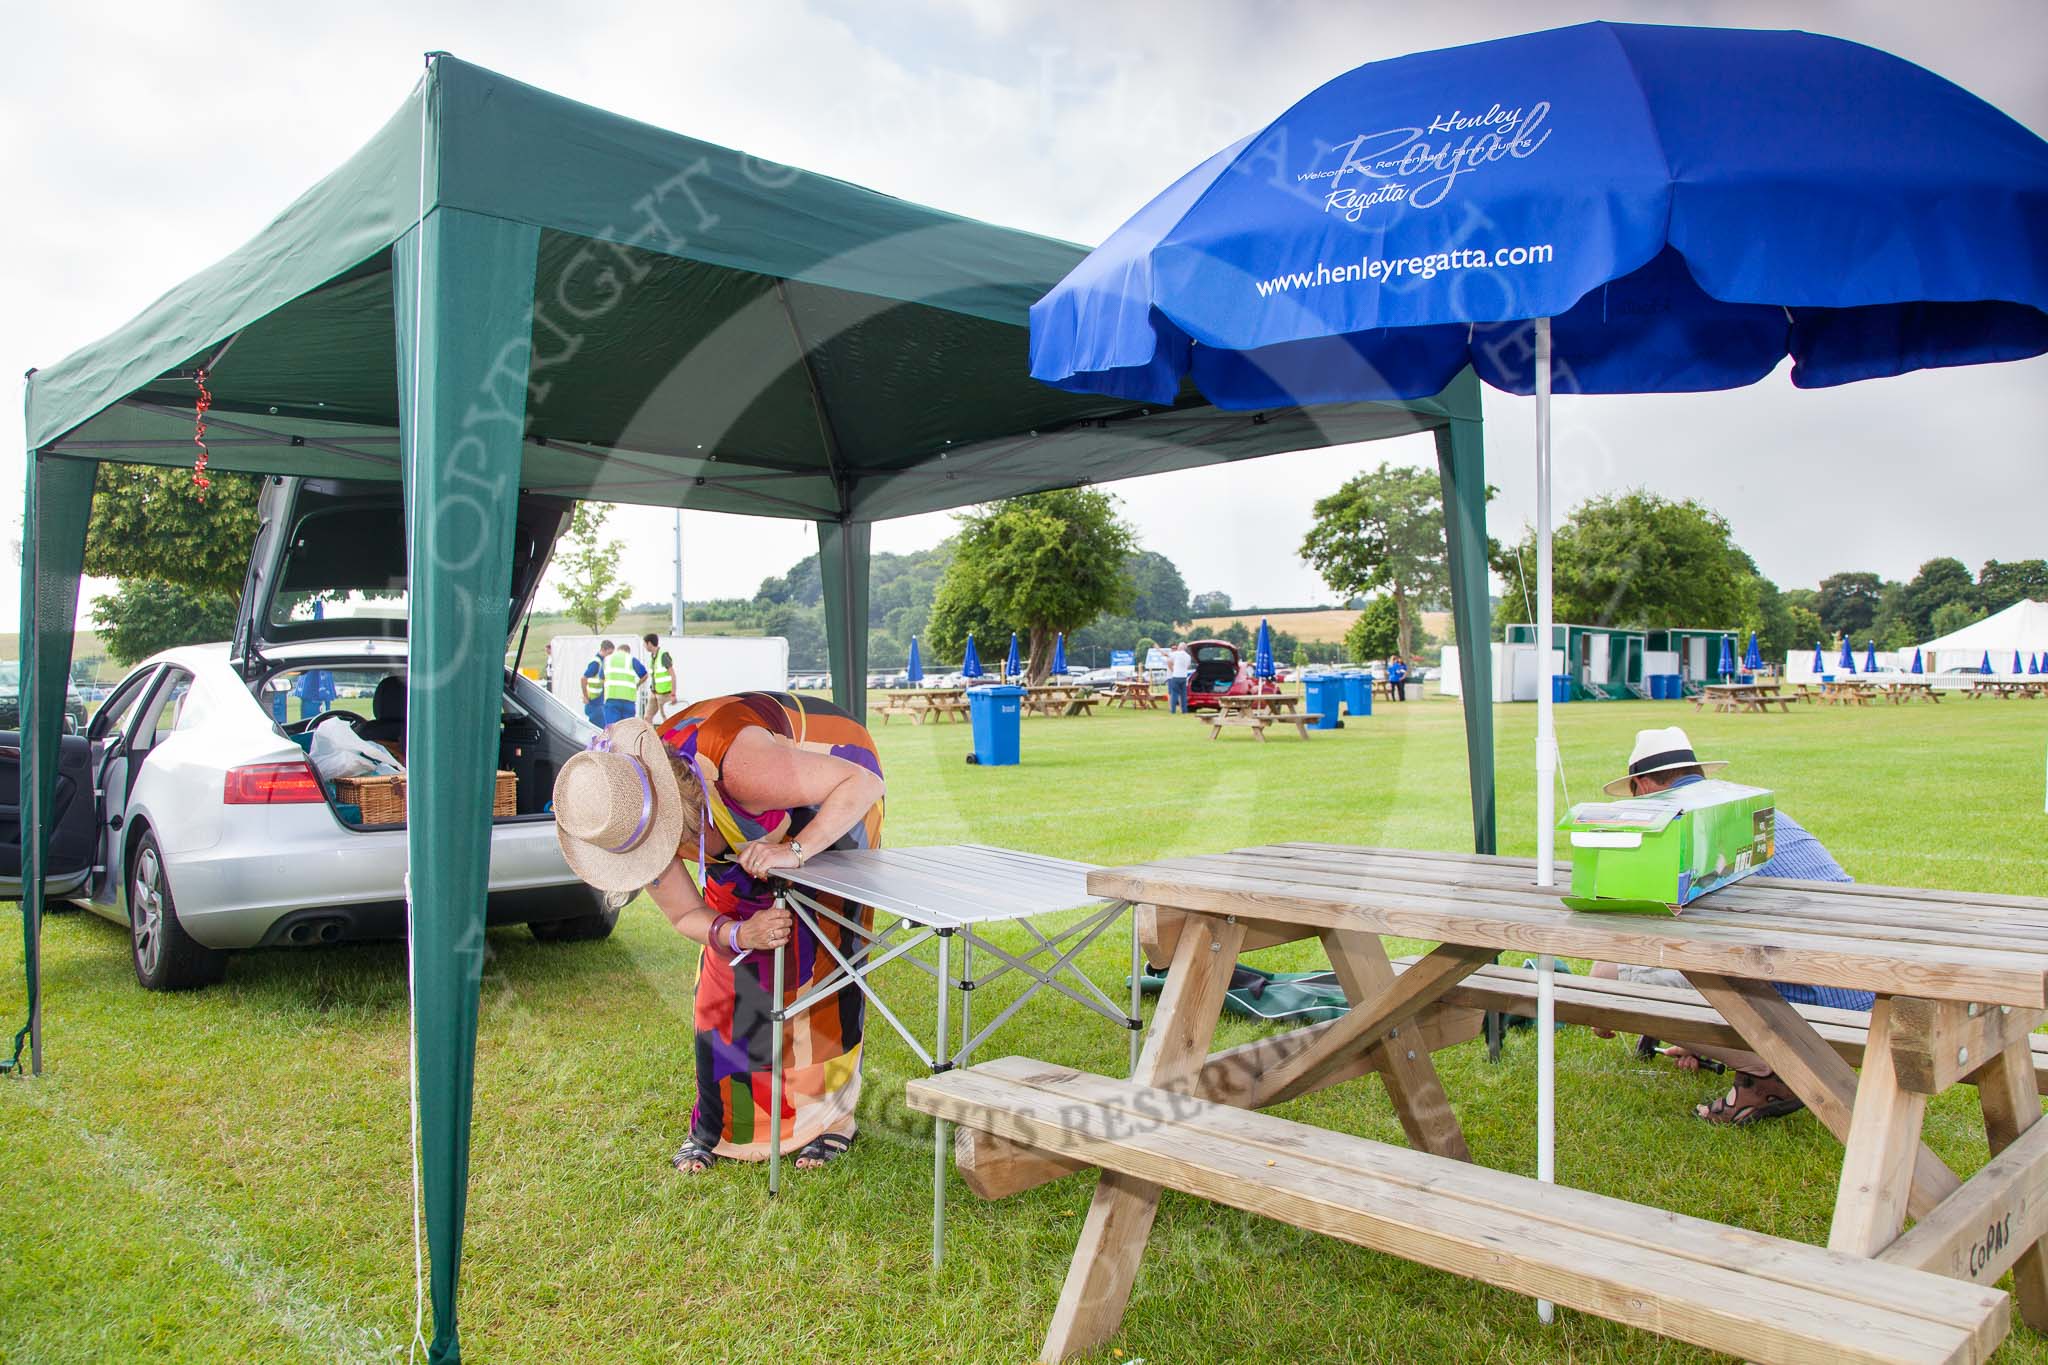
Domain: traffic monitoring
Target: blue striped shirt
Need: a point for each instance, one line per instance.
(1796, 853)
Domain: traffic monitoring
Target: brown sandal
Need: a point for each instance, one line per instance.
(1752, 1099)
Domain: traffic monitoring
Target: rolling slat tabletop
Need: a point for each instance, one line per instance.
(1933, 944)
(950, 885)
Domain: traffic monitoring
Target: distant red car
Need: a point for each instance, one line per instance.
(1219, 672)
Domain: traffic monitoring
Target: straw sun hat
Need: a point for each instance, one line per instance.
(620, 811)
(1659, 751)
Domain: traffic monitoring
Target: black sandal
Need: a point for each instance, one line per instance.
(1769, 1098)
(694, 1158)
(823, 1150)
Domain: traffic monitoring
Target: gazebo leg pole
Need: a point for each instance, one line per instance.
(940, 1129)
(1546, 791)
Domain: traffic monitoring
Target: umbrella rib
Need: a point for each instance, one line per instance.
(827, 436)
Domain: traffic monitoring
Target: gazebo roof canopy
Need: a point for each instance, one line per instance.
(710, 331)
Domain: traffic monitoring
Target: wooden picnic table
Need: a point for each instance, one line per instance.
(1961, 981)
(1732, 697)
(1848, 692)
(1899, 692)
(1060, 699)
(1258, 701)
(1134, 693)
(920, 703)
(2008, 687)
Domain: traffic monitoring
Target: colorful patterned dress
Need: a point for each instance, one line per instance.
(821, 1047)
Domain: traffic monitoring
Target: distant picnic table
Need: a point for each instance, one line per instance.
(1960, 979)
(1732, 697)
(1258, 712)
(1060, 699)
(1134, 693)
(2008, 687)
(918, 703)
(1899, 692)
(1848, 692)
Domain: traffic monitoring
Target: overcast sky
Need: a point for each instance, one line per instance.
(146, 142)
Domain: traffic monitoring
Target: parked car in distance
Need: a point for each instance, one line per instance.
(1219, 672)
(190, 811)
(10, 700)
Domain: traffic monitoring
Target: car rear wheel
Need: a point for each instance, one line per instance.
(166, 957)
(596, 923)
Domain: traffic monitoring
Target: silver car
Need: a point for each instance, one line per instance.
(189, 809)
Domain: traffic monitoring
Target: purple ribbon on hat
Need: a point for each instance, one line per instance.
(601, 743)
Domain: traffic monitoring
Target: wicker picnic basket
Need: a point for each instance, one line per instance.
(383, 798)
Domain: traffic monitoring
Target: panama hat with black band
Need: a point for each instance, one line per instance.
(1660, 751)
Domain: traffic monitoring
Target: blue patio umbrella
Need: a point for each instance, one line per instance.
(1059, 655)
(1985, 668)
(971, 666)
(1820, 665)
(1917, 668)
(1753, 659)
(1656, 231)
(1012, 666)
(916, 670)
(1727, 656)
(1262, 652)
(2016, 663)
(1847, 663)
(1870, 656)
(2032, 667)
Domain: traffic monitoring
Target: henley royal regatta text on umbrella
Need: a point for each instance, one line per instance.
(1622, 208)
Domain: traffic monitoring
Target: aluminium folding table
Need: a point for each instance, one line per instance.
(937, 895)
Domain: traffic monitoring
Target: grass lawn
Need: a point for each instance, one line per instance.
(224, 1176)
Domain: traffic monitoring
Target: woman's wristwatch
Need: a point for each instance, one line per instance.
(796, 846)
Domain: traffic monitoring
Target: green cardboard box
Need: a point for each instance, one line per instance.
(1657, 854)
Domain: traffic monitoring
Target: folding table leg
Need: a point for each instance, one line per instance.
(1137, 971)
(1105, 1265)
(775, 1083)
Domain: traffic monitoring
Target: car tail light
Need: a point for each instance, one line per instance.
(273, 784)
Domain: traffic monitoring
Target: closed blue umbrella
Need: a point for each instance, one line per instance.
(1847, 663)
(1985, 668)
(1059, 655)
(971, 666)
(2032, 667)
(1870, 656)
(916, 670)
(1012, 666)
(1820, 665)
(1657, 231)
(1916, 662)
(1727, 656)
(1753, 659)
(1262, 652)
(2016, 662)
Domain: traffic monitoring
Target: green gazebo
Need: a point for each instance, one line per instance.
(507, 290)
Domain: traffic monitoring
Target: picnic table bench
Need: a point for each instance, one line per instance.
(1059, 700)
(1844, 693)
(1899, 692)
(2007, 687)
(1732, 697)
(1961, 981)
(1258, 722)
(926, 702)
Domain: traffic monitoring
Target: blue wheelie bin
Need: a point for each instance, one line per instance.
(1358, 693)
(996, 716)
(1325, 698)
(1560, 687)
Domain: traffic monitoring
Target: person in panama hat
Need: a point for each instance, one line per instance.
(702, 813)
(1662, 760)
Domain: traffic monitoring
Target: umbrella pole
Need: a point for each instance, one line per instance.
(1546, 792)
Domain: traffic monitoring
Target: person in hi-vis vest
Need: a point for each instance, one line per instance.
(593, 685)
(622, 675)
(661, 676)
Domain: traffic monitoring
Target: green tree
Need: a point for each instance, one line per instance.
(144, 615)
(1939, 582)
(588, 565)
(148, 523)
(1894, 627)
(1158, 593)
(804, 628)
(1637, 560)
(1384, 530)
(1042, 563)
(1952, 617)
(1999, 585)
(1803, 628)
(1210, 604)
(1848, 602)
(1376, 633)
